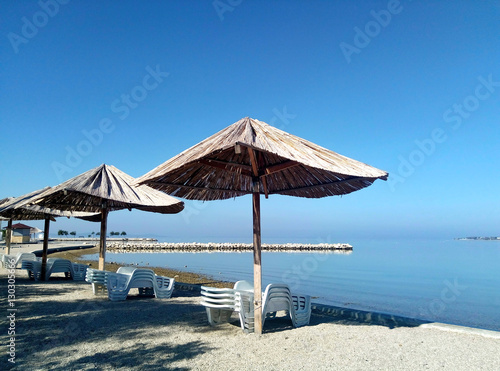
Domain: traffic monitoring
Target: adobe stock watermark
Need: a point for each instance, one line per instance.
(192, 208)
(281, 117)
(11, 309)
(454, 117)
(38, 20)
(449, 294)
(122, 108)
(224, 6)
(308, 266)
(363, 36)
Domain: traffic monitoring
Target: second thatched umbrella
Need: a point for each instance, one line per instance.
(251, 157)
(104, 189)
(21, 208)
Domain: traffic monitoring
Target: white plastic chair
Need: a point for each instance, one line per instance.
(220, 304)
(164, 287)
(98, 280)
(18, 258)
(55, 265)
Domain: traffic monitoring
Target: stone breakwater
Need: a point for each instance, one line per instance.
(225, 247)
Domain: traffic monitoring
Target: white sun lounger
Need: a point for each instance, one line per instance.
(18, 258)
(119, 284)
(220, 303)
(98, 280)
(55, 265)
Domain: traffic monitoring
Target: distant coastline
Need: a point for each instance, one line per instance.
(478, 238)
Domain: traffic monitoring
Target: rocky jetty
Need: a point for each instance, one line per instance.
(224, 247)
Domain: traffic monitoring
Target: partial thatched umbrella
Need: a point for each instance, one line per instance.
(104, 189)
(251, 157)
(21, 208)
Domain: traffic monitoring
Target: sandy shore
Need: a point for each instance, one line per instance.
(61, 325)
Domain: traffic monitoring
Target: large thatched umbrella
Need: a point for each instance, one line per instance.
(251, 157)
(21, 208)
(104, 189)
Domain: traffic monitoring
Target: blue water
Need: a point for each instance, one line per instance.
(451, 281)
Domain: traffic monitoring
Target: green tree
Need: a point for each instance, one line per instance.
(73, 233)
(124, 234)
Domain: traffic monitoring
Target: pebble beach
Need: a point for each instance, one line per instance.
(61, 325)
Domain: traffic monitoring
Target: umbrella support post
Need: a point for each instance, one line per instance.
(45, 246)
(102, 245)
(8, 237)
(257, 267)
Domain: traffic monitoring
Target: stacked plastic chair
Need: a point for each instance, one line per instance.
(119, 284)
(55, 265)
(164, 287)
(98, 280)
(79, 271)
(302, 307)
(221, 303)
(18, 258)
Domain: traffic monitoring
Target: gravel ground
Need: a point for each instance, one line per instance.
(61, 325)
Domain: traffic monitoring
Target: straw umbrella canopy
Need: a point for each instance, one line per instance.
(21, 208)
(104, 189)
(252, 157)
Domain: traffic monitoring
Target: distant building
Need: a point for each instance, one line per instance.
(21, 233)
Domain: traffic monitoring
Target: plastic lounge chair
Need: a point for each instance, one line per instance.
(244, 307)
(277, 297)
(79, 271)
(59, 266)
(55, 265)
(98, 280)
(18, 258)
(164, 287)
(120, 283)
(220, 304)
(34, 268)
(302, 310)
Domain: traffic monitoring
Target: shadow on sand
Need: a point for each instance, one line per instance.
(143, 327)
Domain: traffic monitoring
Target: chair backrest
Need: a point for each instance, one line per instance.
(22, 256)
(276, 297)
(218, 297)
(126, 270)
(142, 278)
(243, 286)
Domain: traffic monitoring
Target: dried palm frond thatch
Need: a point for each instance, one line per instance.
(22, 208)
(222, 167)
(104, 189)
(106, 184)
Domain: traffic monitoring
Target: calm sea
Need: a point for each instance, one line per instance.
(452, 281)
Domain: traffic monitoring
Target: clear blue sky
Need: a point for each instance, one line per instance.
(410, 87)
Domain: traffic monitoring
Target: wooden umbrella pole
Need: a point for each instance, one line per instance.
(8, 237)
(102, 246)
(257, 267)
(45, 246)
